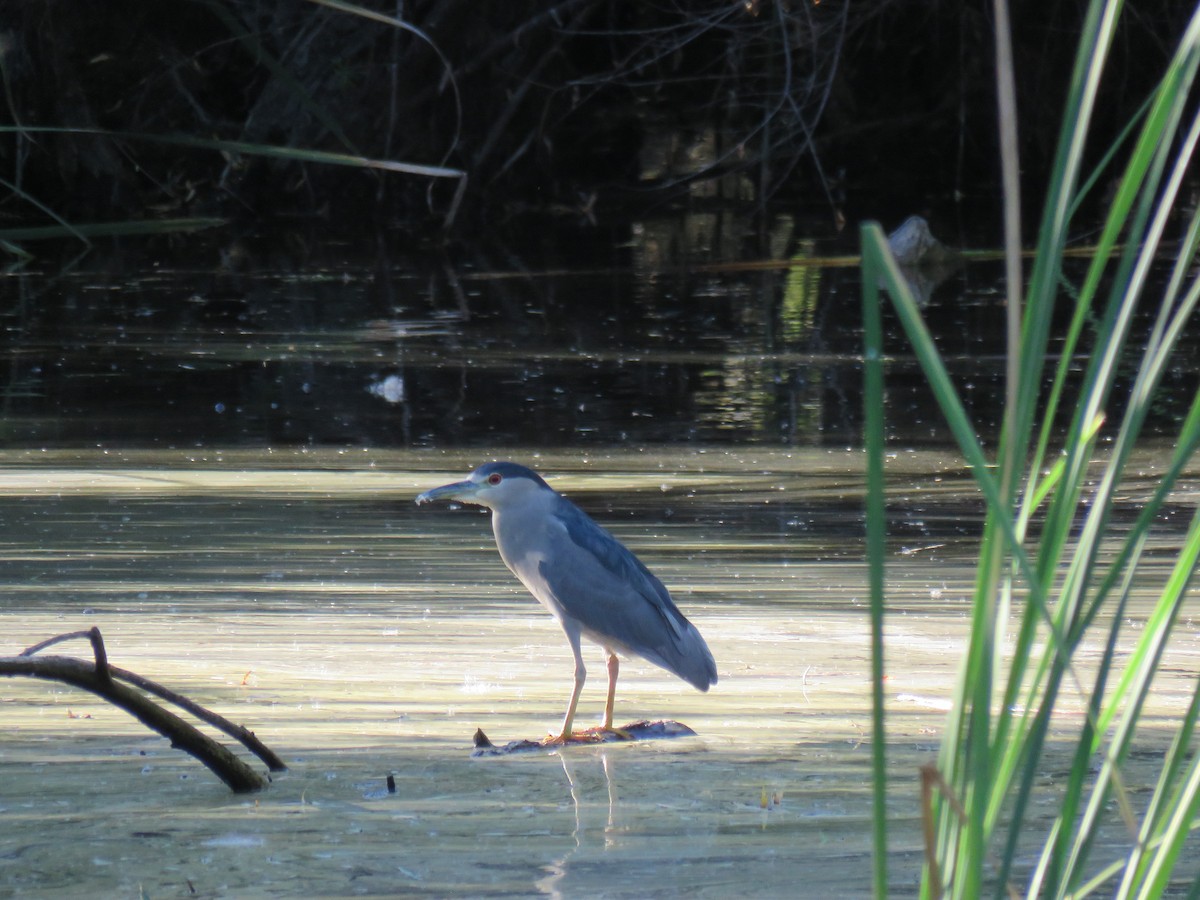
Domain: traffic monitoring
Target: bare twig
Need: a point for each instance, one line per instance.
(101, 679)
(240, 733)
(931, 780)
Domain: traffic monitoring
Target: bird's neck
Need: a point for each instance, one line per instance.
(519, 532)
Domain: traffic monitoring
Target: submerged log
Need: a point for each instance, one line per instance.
(106, 681)
(641, 730)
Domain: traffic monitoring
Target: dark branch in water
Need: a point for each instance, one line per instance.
(105, 681)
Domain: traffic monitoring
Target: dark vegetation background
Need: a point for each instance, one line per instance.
(581, 108)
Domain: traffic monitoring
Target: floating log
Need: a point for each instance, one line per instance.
(641, 730)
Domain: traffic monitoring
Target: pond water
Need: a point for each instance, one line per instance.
(215, 465)
(302, 594)
(308, 598)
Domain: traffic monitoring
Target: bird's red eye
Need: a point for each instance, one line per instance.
(495, 478)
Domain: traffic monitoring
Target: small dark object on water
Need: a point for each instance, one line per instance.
(635, 731)
(925, 262)
(391, 784)
(913, 244)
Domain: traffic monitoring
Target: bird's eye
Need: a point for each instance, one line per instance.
(495, 478)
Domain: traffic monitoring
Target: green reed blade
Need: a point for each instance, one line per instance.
(876, 511)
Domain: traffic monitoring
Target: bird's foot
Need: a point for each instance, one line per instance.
(575, 737)
(597, 735)
(634, 731)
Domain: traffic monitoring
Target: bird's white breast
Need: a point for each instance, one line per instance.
(523, 536)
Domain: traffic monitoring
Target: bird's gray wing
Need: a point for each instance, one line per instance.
(613, 595)
(621, 566)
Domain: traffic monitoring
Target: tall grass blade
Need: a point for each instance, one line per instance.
(297, 154)
(130, 227)
(279, 71)
(395, 22)
(1070, 582)
(873, 401)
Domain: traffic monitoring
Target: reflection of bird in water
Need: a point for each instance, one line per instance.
(585, 577)
(552, 884)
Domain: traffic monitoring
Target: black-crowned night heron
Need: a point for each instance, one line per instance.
(585, 577)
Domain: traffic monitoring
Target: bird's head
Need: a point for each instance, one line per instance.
(493, 485)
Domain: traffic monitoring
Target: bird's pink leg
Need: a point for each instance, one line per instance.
(580, 677)
(614, 665)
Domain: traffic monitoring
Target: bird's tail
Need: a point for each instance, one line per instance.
(690, 659)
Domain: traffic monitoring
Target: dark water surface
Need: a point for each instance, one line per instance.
(680, 335)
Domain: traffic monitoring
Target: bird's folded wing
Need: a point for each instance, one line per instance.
(607, 588)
